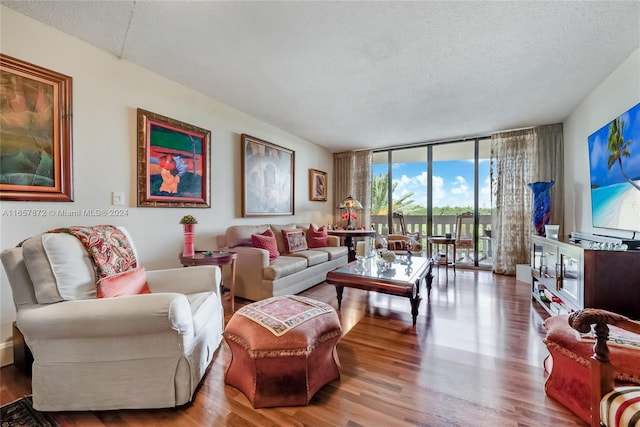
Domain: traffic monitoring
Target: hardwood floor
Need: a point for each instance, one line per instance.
(475, 359)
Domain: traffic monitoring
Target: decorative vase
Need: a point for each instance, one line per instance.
(188, 240)
(541, 204)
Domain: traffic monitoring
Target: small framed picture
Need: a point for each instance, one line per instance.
(317, 185)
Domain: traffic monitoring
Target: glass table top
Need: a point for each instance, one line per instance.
(403, 269)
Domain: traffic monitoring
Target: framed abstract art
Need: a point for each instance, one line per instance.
(35, 136)
(267, 178)
(173, 163)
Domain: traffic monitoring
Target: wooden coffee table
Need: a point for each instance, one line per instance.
(402, 279)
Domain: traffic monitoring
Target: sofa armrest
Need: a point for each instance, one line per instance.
(252, 256)
(185, 280)
(107, 317)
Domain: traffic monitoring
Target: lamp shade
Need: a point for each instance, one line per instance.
(350, 203)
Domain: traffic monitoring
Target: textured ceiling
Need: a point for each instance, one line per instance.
(349, 75)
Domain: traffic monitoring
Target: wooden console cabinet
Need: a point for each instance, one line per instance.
(567, 277)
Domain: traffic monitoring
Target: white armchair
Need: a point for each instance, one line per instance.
(140, 351)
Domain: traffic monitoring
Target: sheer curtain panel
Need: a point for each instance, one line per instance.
(518, 158)
(352, 177)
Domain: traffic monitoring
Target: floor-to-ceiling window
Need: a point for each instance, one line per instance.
(431, 185)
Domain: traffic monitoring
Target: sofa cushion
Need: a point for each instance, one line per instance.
(334, 252)
(294, 241)
(277, 231)
(240, 235)
(60, 268)
(131, 282)
(266, 240)
(317, 237)
(284, 266)
(313, 257)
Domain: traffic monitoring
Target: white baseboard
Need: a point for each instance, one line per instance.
(523, 273)
(6, 354)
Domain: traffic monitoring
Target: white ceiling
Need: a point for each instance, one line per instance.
(350, 75)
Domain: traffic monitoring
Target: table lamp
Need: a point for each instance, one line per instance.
(350, 203)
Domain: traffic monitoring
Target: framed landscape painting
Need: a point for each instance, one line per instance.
(35, 136)
(267, 178)
(173, 163)
(317, 185)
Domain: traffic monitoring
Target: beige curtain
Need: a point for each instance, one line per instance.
(352, 177)
(519, 158)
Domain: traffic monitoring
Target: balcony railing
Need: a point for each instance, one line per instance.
(442, 224)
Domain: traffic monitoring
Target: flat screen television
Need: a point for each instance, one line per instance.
(614, 165)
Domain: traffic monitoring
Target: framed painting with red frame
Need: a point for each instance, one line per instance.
(173, 163)
(35, 136)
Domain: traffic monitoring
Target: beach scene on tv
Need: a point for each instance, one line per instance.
(614, 155)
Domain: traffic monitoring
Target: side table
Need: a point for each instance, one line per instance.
(443, 241)
(348, 238)
(218, 258)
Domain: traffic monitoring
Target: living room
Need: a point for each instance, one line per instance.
(107, 91)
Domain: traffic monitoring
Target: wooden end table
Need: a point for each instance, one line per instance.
(218, 258)
(438, 241)
(402, 280)
(348, 238)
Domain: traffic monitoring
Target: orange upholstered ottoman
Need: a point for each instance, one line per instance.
(283, 350)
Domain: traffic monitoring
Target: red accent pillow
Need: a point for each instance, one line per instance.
(131, 282)
(266, 240)
(294, 240)
(317, 237)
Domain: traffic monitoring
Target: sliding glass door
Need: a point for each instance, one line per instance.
(430, 186)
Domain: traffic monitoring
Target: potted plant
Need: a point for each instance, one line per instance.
(188, 224)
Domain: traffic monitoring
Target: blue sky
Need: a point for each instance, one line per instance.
(452, 182)
(600, 174)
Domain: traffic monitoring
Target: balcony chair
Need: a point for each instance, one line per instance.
(464, 234)
(598, 382)
(95, 350)
(402, 241)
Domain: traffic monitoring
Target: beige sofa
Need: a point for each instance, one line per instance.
(257, 278)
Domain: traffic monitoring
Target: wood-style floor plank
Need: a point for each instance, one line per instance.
(475, 359)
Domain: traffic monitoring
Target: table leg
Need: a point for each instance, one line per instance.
(454, 257)
(233, 286)
(415, 303)
(348, 242)
(339, 290)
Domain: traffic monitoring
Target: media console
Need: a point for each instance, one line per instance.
(566, 277)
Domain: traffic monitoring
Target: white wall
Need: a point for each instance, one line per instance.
(106, 93)
(615, 95)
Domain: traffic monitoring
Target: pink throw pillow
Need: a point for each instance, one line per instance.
(294, 240)
(131, 282)
(266, 240)
(317, 237)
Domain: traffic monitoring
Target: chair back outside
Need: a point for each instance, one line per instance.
(464, 230)
(400, 218)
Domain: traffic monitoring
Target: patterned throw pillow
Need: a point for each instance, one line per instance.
(317, 237)
(266, 240)
(131, 282)
(294, 241)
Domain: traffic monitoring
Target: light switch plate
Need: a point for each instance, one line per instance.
(117, 198)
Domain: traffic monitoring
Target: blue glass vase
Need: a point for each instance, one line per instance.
(541, 204)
